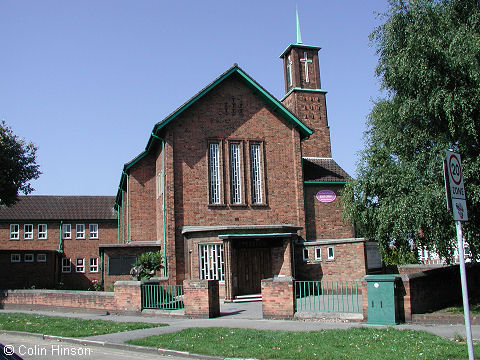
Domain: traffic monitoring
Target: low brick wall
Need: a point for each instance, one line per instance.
(126, 299)
(44, 299)
(278, 298)
(201, 298)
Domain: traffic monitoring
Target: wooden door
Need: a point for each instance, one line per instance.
(253, 265)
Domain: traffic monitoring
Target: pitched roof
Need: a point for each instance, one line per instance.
(41, 207)
(323, 169)
(235, 70)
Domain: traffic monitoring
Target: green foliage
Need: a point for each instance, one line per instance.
(355, 343)
(429, 66)
(148, 263)
(17, 166)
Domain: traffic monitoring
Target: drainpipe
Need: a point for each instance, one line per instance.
(101, 267)
(118, 226)
(60, 245)
(163, 207)
(128, 205)
(123, 219)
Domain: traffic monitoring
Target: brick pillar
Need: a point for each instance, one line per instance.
(278, 298)
(128, 296)
(365, 299)
(201, 299)
(227, 251)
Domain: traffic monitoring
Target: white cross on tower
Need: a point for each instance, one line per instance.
(306, 61)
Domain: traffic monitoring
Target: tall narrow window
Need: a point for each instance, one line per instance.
(256, 168)
(235, 173)
(214, 173)
(211, 262)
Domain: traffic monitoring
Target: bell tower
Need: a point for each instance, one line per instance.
(304, 95)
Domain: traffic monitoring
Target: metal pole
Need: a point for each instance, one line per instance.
(463, 277)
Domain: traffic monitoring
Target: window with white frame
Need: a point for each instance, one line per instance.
(41, 257)
(93, 231)
(211, 262)
(28, 232)
(42, 231)
(14, 231)
(15, 258)
(305, 254)
(330, 253)
(67, 231)
(80, 265)
(318, 253)
(93, 265)
(29, 258)
(80, 231)
(236, 173)
(214, 173)
(256, 169)
(66, 265)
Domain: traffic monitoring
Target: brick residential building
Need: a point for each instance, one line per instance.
(238, 186)
(53, 241)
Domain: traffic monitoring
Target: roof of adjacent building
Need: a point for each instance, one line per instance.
(323, 169)
(42, 207)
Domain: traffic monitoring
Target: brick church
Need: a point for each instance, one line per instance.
(239, 186)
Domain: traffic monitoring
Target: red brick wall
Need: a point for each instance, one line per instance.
(29, 274)
(278, 298)
(201, 298)
(324, 220)
(348, 263)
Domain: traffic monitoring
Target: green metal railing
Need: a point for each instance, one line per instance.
(166, 297)
(329, 296)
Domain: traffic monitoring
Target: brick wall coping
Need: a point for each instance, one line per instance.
(128, 283)
(277, 279)
(132, 244)
(334, 241)
(59, 292)
(288, 227)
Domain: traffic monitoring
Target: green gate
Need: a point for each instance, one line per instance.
(329, 296)
(165, 297)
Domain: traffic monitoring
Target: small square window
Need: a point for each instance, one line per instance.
(41, 257)
(80, 265)
(93, 230)
(14, 232)
(318, 253)
(93, 265)
(42, 231)
(330, 253)
(15, 258)
(305, 254)
(28, 232)
(80, 231)
(29, 258)
(66, 265)
(67, 231)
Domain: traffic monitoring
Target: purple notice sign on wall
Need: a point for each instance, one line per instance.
(326, 196)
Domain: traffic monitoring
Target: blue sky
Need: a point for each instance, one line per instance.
(87, 80)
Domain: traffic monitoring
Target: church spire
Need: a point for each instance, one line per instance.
(299, 34)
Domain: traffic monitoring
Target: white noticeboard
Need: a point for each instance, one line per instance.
(457, 188)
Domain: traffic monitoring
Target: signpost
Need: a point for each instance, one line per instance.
(456, 197)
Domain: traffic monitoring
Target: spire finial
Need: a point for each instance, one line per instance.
(299, 34)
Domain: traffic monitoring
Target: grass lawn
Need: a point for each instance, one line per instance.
(355, 343)
(64, 326)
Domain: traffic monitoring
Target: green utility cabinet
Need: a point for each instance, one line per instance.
(382, 299)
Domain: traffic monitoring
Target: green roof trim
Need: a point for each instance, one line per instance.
(304, 131)
(302, 89)
(260, 235)
(301, 46)
(312, 182)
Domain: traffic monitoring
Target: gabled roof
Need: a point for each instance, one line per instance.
(235, 70)
(41, 207)
(317, 169)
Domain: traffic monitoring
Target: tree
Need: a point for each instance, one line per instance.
(17, 166)
(429, 66)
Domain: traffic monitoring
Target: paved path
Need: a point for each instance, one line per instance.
(234, 320)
